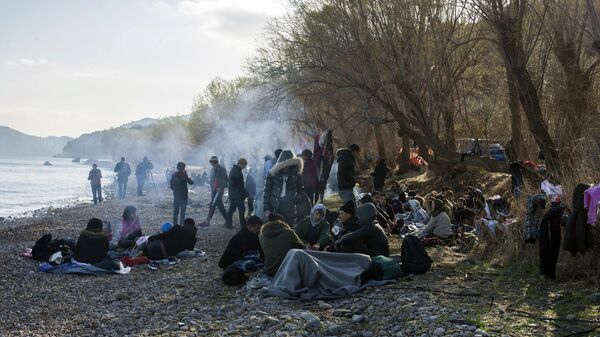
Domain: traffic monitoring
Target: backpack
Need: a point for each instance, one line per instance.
(390, 267)
(414, 257)
(42, 249)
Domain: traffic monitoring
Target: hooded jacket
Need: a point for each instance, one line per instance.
(276, 239)
(283, 186)
(439, 223)
(239, 245)
(92, 246)
(345, 173)
(578, 236)
(237, 188)
(179, 182)
(370, 232)
(177, 239)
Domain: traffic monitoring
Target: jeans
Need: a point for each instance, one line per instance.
(97, 194)
(140, 186)
(216, 202)
(347, 195)
(239, 205)
(179, 205)
(122, 187)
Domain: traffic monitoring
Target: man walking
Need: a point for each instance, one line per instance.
(237, 194)
(179, 182)
(123, 172)
(218, 183)
(142, 171)
(94, 177)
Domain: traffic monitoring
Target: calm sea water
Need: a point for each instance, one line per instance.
(26, 184)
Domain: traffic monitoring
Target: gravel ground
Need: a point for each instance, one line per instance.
(189, 299)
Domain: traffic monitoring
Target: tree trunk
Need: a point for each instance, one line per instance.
(516, 122)
(380, 143)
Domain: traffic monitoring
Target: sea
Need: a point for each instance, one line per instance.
(27, 185)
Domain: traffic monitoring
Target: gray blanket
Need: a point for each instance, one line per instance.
(311, 275)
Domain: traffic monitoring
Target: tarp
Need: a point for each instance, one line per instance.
(311, 275)
(80, 268)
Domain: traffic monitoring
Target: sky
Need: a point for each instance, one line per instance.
(76, 66)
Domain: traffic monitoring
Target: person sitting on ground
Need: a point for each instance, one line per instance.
(417, 213)
(276, 239)
(370, 232)
(92, 245)
(348, 223)
(172, 242)
(385, 214)
(314, 230)
(131, 228)
(439, 224)
(242, 243)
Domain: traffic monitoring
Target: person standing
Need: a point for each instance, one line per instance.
(142, 171)
(218, 182)
(251, 188)
(237, 194)
(179, 182)
(379, 174)
(346, 159)
(283, 187)
(95, 177)
(123, 172)
(310, 176)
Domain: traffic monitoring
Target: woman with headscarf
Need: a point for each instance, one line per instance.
(314, 230)
(439, 224)
(131, 228)
(417, 214)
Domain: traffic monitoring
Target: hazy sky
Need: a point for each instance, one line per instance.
(70, 67)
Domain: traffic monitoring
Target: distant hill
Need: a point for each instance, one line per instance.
(133, 140)
(15, 143)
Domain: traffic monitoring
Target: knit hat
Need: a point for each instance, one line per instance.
(166, 227)
(349, 207)
(95, 225)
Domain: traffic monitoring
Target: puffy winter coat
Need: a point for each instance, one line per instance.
(345, 173)
(283, 187)
(92, 246)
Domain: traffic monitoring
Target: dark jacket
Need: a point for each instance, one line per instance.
(276, 198)
(578, 236)
(179, 182)
(323, 229)
(178, 239)
(239, 245)
(122, 170)
(358, 246)
(91, 247)
(218, 178)
(141, 170)
(237, 188)
(95, 176)
(310, 174)
(251, 183)
(370, 233)
(276, 239)
(345, 173)
(379, 174)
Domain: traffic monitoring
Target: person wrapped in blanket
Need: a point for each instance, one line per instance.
(131, 228)
(171, 242)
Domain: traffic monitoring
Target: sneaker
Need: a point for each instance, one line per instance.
(173, 260)
(153, 266)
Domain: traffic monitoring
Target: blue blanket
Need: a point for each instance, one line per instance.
(80, 268)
